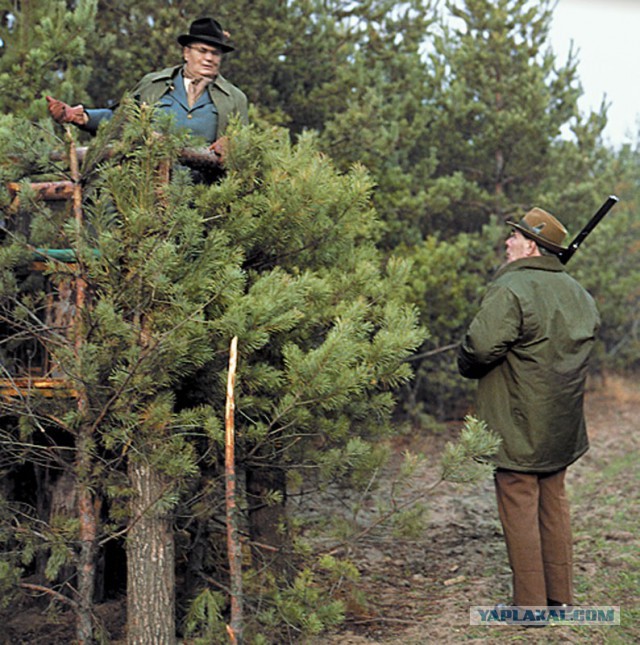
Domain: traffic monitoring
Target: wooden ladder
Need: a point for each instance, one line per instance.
(63, 307)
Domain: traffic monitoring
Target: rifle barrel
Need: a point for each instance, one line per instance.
(567, 254)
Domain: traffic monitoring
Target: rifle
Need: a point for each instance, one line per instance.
(567, 253)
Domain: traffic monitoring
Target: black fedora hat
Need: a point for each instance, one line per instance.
(207, 31)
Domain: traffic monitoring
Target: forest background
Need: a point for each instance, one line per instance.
(347, 246)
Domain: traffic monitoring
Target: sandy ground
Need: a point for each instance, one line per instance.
(420, 590)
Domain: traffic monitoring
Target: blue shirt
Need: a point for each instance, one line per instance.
(201, 119)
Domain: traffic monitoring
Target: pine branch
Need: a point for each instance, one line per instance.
(432, 352)
(50, 592)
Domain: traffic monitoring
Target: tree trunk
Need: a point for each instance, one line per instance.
(150, 562)
(87, 515)
(269, 542)
(235, 628)
(87, 510)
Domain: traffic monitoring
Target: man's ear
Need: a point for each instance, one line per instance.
(533, 248)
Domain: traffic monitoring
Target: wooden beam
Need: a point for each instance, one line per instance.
(198, 156)
(47, 190)
(25, 385)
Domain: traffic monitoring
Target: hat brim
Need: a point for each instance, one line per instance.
(550, 246)
(187, 39)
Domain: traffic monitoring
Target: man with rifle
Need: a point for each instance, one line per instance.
(529, 347)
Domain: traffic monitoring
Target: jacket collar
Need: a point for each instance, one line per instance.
(540, 263)
(168, 75)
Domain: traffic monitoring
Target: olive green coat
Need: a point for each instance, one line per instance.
(529, 346)
(227, 98)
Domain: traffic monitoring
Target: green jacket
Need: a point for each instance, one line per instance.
(227, 98)
(529, 346)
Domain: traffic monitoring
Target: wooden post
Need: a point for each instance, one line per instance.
(79, 222)
(235, 627)
(87, 506)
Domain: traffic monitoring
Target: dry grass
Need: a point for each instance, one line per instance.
(622, 390)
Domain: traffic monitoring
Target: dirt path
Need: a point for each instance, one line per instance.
(419, 590)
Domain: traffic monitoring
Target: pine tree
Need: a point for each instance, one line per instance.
(501, 105)
(280, 253)
(322, 330)
(44, 50)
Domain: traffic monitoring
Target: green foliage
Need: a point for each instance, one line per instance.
(51, 543)
(204, 623)
(10, 564)
(322, 326)
(304, 607)
(59, 556)
(502, 108)
(608, 265)
(410, 522)
(45, 52)
(9, 577)
(281, 253)
(465, 462)
(448, 279)
(26, 150)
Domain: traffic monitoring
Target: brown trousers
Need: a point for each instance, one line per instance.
(534, 512)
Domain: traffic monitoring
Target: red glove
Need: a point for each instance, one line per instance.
(220, 147)
(62, 113)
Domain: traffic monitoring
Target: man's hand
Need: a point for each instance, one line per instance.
(62, 113)
(220, 147)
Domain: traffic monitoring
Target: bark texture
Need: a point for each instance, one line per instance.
(150, 562)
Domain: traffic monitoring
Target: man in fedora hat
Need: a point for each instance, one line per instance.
(194, 92)
(529, 346)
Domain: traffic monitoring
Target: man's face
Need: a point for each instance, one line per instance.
(202, 60)
(519, 246)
